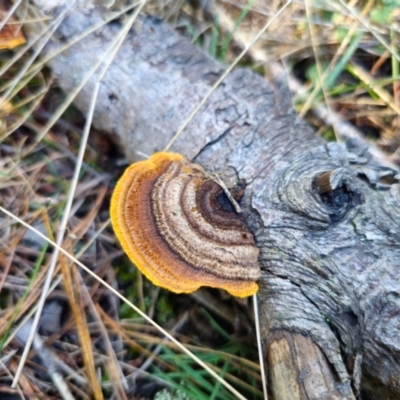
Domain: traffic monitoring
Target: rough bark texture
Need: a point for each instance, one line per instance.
(330, 258)
(298, 369)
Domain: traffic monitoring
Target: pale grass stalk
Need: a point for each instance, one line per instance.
(260, 347)
(92, 239)
(127, 367)
(371, 30)
(9, 14)
(6, 358)
(73, 289)
(23, 49)
(35, 54)
(36, 100)
(38, 66)
(47, 358)
(113, 52)
(61, 233)
(114, 48)
(60, 363)
(132, 336)
(365, 77)
(126, 301)
(56, 282)
(63, 225)
(140, 291)
(6, 264)
(35, 68)
(133, 332)
(8, 372)
(155, 293)
(114, 368)
(345, 129)
(318, 64)
(224, 75)
(310, 98)
(62, 386)
(14, 85)
(30, 21)
(182, 321)
(329, 117)
(59, 240)
(71, 96)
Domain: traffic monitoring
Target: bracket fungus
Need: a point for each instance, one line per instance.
(181, 231)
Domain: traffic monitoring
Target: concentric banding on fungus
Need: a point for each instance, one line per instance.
(180, 230)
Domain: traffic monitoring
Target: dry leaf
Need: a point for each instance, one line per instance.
(11, 35)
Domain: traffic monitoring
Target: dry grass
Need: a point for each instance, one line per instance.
(342, 65)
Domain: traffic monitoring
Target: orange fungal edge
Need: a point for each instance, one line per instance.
(239, 289)
(152, 163)
(250, 289)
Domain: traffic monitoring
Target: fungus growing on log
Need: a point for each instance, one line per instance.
(180, 229)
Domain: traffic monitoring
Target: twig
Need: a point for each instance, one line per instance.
(260, 348)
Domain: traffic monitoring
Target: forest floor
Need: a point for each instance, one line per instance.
(341, 63)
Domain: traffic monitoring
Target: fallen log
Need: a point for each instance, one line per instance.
(325, 216)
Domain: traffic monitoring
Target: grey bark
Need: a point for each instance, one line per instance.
(330, 258)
